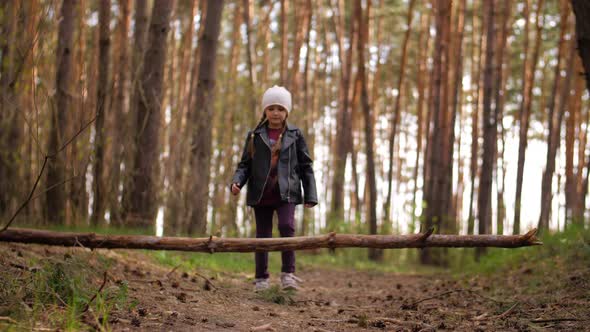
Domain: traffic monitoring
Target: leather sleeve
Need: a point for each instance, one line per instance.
(306, 171)
(242, 173)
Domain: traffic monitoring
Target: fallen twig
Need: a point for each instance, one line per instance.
(207, 281)
(319, 329)
(265, 327)
(172, 271)
(509, 311)
(104, 281)
(8, 319)
(551, 320)
(413, 305)
(330, 320)
(401, 322)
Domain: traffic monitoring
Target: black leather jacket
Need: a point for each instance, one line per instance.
(294, 168)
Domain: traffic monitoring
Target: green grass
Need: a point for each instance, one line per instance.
(111, 230)
(570, 246)
(394, 261)
(55, 291)
(276, 295)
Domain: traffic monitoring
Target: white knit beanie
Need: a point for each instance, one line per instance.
(277, 95)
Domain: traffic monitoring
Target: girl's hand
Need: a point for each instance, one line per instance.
(309, 205)
(235, 189)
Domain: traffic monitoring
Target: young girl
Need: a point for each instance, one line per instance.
(275, 163)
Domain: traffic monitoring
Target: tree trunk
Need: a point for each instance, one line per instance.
(302, 21)
(558, 101)
(32, 18)
(571, 119)
(200, 118)
(581, 10)
(490, 128)
(120, 109)
(102, 96)
(372, 188)
(10, 139)
(144, 187)
(343, 118)
(56, 170)
(525, 106)
(422, 82)
(227, 219)
(582, 119)
(438, 185)
(476, 73)
(456, 93)
(85, 81)
(174, 209)
(140, 24)
(498, 93)
(396, 109)
(284, 25)
(252, 80)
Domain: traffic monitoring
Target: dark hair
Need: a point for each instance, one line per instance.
(276, 146)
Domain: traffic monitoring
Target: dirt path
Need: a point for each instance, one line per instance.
(338, 300)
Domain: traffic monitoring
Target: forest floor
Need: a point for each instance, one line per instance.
(550, 293)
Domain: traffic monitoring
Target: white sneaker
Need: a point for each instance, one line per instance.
(289, 281)
(261, 284)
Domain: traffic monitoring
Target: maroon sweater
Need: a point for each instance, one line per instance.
(271, 194)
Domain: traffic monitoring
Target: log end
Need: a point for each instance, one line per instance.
(531, 239)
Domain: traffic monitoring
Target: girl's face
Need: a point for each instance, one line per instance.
(276, 115)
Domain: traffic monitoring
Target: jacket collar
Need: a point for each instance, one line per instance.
(289, 136)
(262, 129)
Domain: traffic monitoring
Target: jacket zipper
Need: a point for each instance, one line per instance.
(265, 179)
(289, 178)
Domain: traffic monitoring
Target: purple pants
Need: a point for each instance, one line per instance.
(263, 214)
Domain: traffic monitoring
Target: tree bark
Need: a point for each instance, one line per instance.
(525, 106)
(396, 109)
(476, 73)
(423, 40)
(216, 244)
(343, 119)
(252, 79)
(140, 24)
(303, 19)
(99, 184)
(284, 24)
(10, 131)
(499, 92)
(120, 110)
(371, 182)
(56, 170)
(175, 198)
(200, 118)
(582, 131)
(558, 105)
(456, 108)
(144, 187)
(437, 191)
(490, 129)
(581, 10)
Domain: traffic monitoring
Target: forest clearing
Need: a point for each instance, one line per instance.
(420, 165)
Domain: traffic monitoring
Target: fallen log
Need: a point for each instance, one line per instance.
(216, 244)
